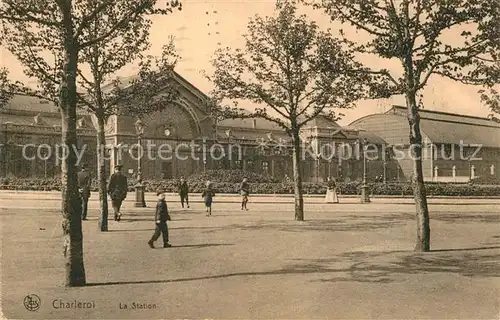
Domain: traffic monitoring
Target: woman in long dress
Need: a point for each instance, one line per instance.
(331, 192)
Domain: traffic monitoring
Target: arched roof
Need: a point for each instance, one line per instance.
(437, 127)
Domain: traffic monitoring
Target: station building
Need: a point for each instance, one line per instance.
(184, 139)
(456, 147)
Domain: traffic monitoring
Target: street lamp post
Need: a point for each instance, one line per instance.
(365, 196)
(387, 153)
(139, 187)
(317, 166)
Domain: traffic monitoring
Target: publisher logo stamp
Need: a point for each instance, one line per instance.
(32, 302)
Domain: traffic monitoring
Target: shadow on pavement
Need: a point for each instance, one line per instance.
(340, 223)
(229, 275)
(386, 267)
(465, 249)
(371, 222)
(466, 217)
(205, 245)
(372, 267)
(130, 230)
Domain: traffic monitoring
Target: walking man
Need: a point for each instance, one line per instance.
(84, 183)
(184, 192)
(245, 192)
(117, 189)
(161, 218)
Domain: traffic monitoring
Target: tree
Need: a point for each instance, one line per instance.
(427, 37)
(5, 87)
(140, 96)
(490, 96)
(294, 69)
(30, 30)
(487, 71)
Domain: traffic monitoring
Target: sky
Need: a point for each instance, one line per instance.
(203, 26)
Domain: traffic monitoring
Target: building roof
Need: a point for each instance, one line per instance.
(371, 137)
(29, 120)
(446, 117)
(258, 128)
(251, 135)
(126, 81)
(322, 121)
(24, 103)
(250, 123)
(33, 105)
(438, 127)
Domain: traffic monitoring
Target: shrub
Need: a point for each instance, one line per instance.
(487, 180)
(197, 184)
(234, 176)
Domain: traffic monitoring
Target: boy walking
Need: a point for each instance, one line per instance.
(244, 191)
(161, 218)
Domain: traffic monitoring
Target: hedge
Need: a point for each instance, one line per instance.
(233, 176)
(197, 185)
(491, 180)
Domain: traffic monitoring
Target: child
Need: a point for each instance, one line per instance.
(244, 191)
(208, 194)
(161, 218)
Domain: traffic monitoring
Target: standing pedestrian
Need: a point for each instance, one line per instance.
(161, 218)
(245, 192)
(184, 192)
(117, 189)
(84, 184)
(331, 192)
(208, 194)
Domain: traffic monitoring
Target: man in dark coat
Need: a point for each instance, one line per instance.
(161, 218)
(117, 189)
(84, 183)
(184, 192)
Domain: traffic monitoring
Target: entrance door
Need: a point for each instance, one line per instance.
(166, 170)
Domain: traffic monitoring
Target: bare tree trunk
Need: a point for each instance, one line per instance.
(297, 178)
(71, 203)
(417, 179)
(101, 175)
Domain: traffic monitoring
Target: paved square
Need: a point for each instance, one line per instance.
(346, 261)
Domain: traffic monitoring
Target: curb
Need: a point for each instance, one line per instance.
(52, 196)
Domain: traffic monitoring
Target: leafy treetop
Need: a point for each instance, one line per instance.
(290, 67)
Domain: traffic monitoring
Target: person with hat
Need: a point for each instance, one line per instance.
(245, 192)
(84, 184)
(117, 190)
(208, 194)
(331, 191)
(161, 218)
(184, 192)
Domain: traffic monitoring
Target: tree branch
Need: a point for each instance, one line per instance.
(130, 16)
(359, 25)
(25, 16)
(383, 72)
(40, 68)
(86, 19)
(85, 102)
(26, 92)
